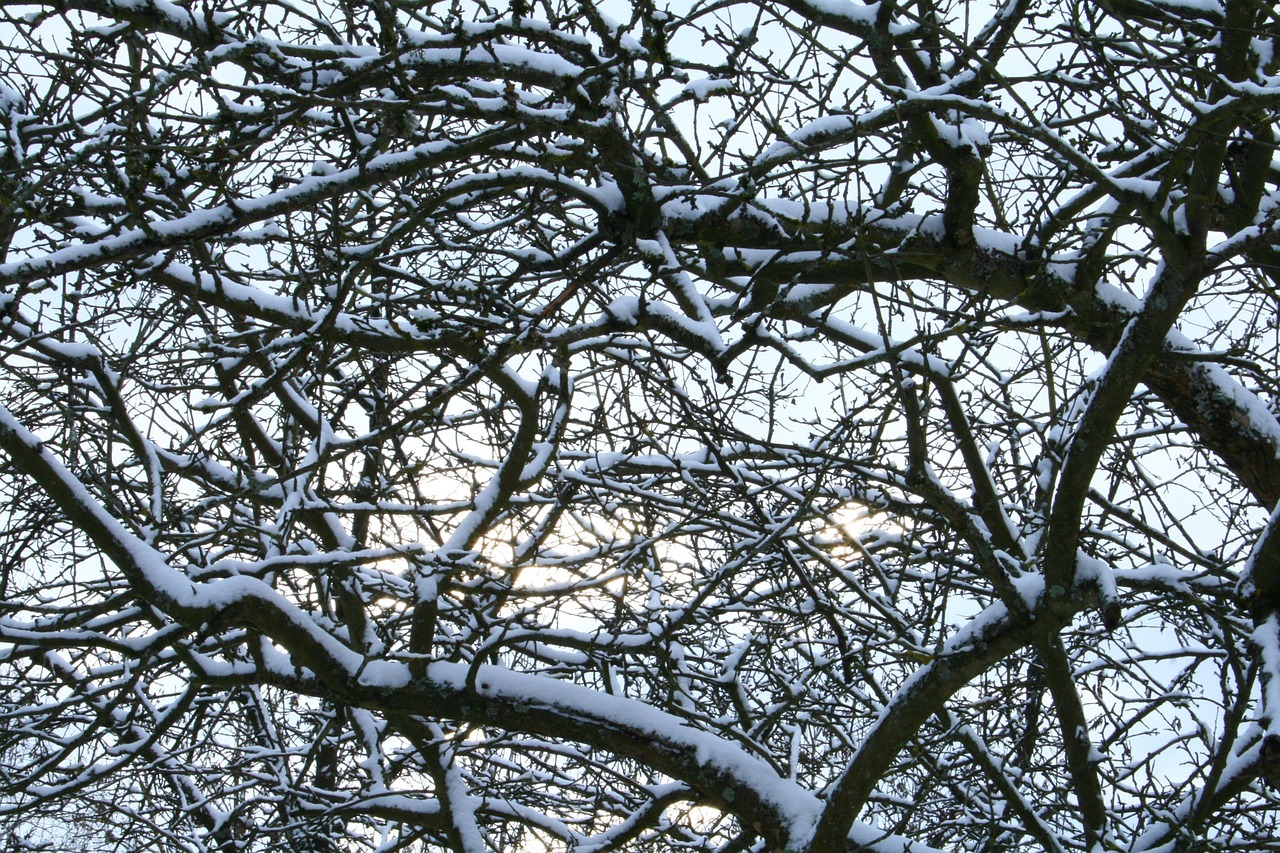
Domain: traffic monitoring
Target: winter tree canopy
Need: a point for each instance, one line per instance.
(731, 425)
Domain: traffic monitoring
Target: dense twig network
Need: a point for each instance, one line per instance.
(795, 425)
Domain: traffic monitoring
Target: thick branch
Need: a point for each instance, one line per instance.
(1206, 398)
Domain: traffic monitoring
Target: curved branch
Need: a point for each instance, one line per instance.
(988, 639)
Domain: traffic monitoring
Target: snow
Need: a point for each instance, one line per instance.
(1090, 571)
(462, 811)
(875, 346)
(697, 311)
(174, 14)
(73, 351)
(495, 55)
(703, 89)
(703, 330)
(1266, 639)
(1210, 9)
(202, 222)
(964, 133)
(624, 309)
(1145, 187)
(1030, 585)
(150, 569)
(384, 675)
(861, 14)
(1212, 379)
(1253, 412)
(785, 798)
(722, 760)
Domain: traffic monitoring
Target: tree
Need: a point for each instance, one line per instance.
(793, 425)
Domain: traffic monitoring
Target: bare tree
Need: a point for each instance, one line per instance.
(793, 425)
